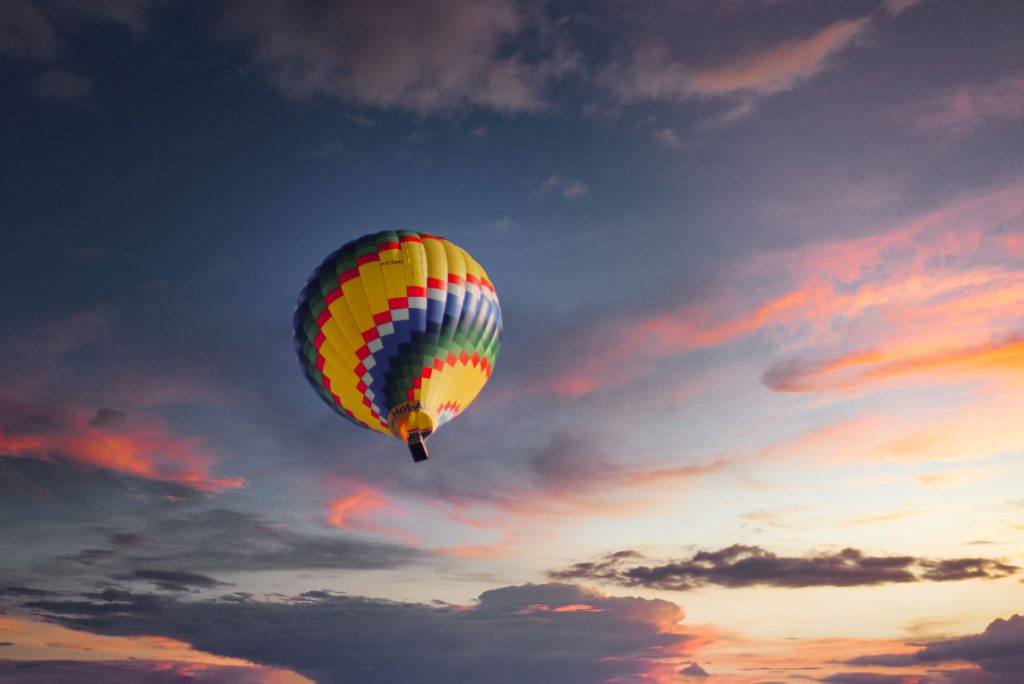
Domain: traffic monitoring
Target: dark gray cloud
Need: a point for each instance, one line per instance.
(743, 566)
(998, 651)
(224, 540)
(106, 417)
(23, 419)
(123, 525)
(120, 671)
(38, 30)
(864, 678)
(693, 670)
(25, 592)
(511, 634)
(884, 660)
(12, 481)
(964, 568)
(128, 538)
(171, 580)
(221, 539)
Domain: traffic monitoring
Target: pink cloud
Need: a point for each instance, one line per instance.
(894, 7)
(959, 111)
(937, 293)
(781, 67)
(652, 73)
(595, 491)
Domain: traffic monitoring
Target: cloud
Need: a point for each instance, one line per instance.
(427, 57)
(128, 538)
(864, 678)
(669, 138)
(63, 87)
(328, 148)
(651, 73)
(568, 189)
(25, 31)
(955, 569)
(940, 295)
(860, 367)
(568, 476)
(58, 654)
(360, 509)
(38, 30)
(44, 361)
(143, 447)
(359, 502)
(224, 540)
(743, 566)
(106, 417)
(894, 7)
(172, 580)
(998, 651)
(15, 482)
(693, 670)
(959, 111)
(576, 189)
(781, 67)
(884, 660)
(503, 637)
(24, 592)
(150, 672)
(132, 529)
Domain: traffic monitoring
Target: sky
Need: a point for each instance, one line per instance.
(756, 415)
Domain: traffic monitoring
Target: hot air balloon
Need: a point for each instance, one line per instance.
(398, 332)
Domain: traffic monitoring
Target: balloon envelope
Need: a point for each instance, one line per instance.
(398, 332)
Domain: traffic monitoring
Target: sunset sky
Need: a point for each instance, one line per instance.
(758, 414)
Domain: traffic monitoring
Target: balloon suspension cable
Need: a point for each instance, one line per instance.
(418, 445)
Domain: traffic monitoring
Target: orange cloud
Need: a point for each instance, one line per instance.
(950, 479)
(358, 503)
(142, 447)
(864, 520)
(572, 608)
(365, 508)
(986, 423)
(35, 640)
(861, 367)
(577, 607)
